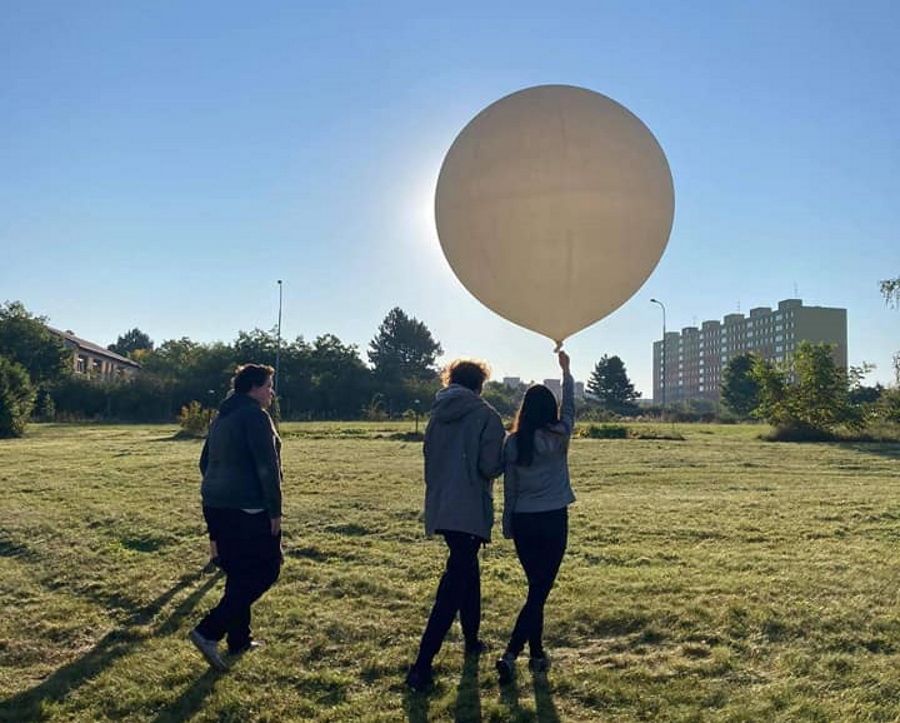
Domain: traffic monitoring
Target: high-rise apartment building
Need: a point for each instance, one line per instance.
(695, 358)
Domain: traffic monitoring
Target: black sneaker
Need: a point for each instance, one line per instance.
(506, 670)
(418, 679)
(476, 648)
(539, 663)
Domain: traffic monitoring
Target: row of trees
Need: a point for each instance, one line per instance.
(326, 378)
(810, 397)
(320, 379)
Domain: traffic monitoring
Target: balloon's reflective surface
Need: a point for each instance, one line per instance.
(553, 206)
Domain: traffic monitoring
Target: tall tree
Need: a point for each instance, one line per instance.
(812, 395)
(340, 379)
(609, 383)
(403, 348)
(740, 388)
(25, 339)
(131, 341)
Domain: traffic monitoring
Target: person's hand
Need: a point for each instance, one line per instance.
(276, 525)
(563, 361)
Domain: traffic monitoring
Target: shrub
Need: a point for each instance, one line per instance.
(44, 408)
(888, 406)
(195, 419)
(605, 431)
(77, 397)
(16, 398)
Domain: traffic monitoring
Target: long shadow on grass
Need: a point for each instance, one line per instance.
(468, 693)
(879, 449)
(544, 707)
(416, 707)
(191, 700)
(116, 643)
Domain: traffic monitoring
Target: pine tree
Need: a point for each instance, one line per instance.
(610, 385)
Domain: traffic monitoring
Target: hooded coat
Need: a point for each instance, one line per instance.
(463, 453)
(241, 458)
(544, 485)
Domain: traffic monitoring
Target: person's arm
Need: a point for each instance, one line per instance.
(509, 488)
(567, 412)
(261, 440)
(490, 451)
(204, 457)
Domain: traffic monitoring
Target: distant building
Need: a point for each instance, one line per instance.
(695, 359)
(512, 382)
(555, 386)
(94, 361)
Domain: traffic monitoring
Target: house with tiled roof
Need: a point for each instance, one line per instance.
(95, 361)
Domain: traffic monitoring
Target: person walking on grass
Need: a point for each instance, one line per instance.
(241, 491)
(463, 453)
(537, 493)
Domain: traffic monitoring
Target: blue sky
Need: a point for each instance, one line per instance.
(163, 163)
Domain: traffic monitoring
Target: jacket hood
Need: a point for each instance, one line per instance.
(455, 402)
(235, 402)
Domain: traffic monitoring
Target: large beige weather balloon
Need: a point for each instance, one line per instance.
(553, 206)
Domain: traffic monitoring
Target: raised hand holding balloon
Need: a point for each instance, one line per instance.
(553, 206)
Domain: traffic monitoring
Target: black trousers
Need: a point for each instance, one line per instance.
(540, 539)
(250, 555)
(459, 591)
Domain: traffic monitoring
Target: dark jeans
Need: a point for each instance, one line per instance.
(250, 555)
(459, 591)
(540, 539)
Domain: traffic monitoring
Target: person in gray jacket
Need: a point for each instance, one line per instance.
(463, 453)
(241, 491)
(537, 493)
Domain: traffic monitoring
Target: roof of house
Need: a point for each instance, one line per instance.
(94, 348)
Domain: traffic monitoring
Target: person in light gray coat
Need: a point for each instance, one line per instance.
(463, 453)
(537, 494)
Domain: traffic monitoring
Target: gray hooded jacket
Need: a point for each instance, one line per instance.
(463, 453)
(544, 485)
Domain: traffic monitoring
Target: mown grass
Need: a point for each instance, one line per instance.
(715, 578)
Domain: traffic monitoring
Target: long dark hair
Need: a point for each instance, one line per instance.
(538, 410)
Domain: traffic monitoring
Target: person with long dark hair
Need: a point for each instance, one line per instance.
(537, 494)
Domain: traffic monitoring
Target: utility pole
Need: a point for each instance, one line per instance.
(278, 336)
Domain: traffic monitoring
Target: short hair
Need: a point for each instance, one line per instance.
(469, 373)
(247, 376)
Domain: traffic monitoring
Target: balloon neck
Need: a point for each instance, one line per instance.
(558, 348)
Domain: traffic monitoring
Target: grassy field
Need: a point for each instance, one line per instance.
(715, 578)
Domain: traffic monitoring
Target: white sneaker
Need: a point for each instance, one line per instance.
(209, 649)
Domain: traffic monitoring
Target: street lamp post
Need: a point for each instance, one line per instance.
(278, 339)
(662, 385)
